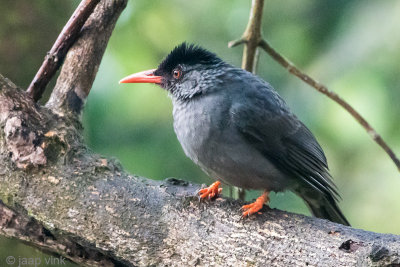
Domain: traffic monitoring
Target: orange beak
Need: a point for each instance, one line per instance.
(146, 76)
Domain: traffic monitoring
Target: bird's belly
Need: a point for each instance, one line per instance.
(233, 161)
(222, 153)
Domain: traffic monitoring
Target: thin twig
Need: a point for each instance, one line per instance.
(255, 33)
(289, 66)
(56, 55)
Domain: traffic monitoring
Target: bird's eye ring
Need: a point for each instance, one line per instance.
(177, 73)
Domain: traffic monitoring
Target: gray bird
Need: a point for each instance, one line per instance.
(237, 128)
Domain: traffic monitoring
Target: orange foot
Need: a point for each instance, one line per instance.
(256, 205)
(211, 192)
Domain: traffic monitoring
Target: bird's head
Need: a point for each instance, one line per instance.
(187, 71)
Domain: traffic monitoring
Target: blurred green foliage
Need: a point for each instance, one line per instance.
(351, 46)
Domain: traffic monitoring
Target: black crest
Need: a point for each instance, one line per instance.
(188, 54)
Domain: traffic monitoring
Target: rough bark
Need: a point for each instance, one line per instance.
(55, 56)
(83, 59)
(58, 195)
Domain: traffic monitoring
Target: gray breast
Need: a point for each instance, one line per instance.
(192, 125)
(207, 136)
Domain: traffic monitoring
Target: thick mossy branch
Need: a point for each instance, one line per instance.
(86, 208)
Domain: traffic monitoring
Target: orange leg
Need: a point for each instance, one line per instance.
(210, 192)
(256, 205)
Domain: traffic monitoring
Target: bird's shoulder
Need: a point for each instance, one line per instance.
(245, 87)
(256, 105)
(264, 119)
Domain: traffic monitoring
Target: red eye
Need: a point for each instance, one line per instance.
(177, 73)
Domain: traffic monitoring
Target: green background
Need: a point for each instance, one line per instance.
(353, 47)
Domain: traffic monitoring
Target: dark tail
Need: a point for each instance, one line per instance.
(323, 206)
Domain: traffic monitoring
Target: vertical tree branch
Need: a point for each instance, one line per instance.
(83, 60)
(252, 39)
(252, 35)
(65, 40)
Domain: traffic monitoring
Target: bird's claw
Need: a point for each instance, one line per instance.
(255, 206)
(210, 192)
(251, 209)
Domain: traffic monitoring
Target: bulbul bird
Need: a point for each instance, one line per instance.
(238, 129)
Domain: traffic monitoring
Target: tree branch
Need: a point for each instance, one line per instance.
(86, 208)
(27, 229)
(82, 62)
(252, 39)
(55, 56)
(332, 95)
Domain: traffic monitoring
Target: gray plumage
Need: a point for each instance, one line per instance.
(237, 128)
